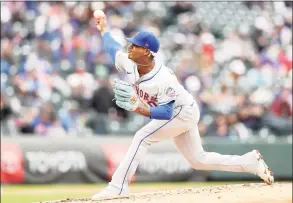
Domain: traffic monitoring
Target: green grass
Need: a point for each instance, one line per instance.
(37, 193)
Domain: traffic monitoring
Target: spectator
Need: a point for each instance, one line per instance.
(44, 121)
(103, 104)
(56, 129)
(70, 117)
(82, 85)
(6, 116)
(5, 109)
(220, 127)
(282, 106)
(279, 120)
(234, 65)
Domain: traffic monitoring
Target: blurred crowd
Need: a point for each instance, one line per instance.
(235, 58)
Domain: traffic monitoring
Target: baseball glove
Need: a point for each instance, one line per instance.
(125, 95)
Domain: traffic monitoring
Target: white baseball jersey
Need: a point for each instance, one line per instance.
(158, 87)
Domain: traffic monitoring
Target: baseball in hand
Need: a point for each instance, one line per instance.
(99, 14)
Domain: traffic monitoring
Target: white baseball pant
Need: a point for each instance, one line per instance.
(183, 129)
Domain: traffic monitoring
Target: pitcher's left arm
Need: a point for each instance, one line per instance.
(126, 98)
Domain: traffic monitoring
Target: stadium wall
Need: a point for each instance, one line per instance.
(43, 160)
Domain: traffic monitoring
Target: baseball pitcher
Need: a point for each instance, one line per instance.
(153, 91)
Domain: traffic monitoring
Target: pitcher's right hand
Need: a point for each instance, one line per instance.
(101, 24)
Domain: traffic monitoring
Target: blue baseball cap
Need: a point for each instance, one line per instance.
(147, 40)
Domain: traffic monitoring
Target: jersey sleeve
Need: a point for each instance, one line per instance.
(167, 93)
(123, 63)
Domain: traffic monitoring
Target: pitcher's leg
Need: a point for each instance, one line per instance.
(189, 145)
(153, 132)
(128, 165)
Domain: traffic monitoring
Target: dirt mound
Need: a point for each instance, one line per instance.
(240, 193)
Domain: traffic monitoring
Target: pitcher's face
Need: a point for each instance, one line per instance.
(135, 53)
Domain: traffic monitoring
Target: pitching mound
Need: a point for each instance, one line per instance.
(242, 193)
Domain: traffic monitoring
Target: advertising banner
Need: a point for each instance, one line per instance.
(47, 160)
(63, 161)
(12, 163)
